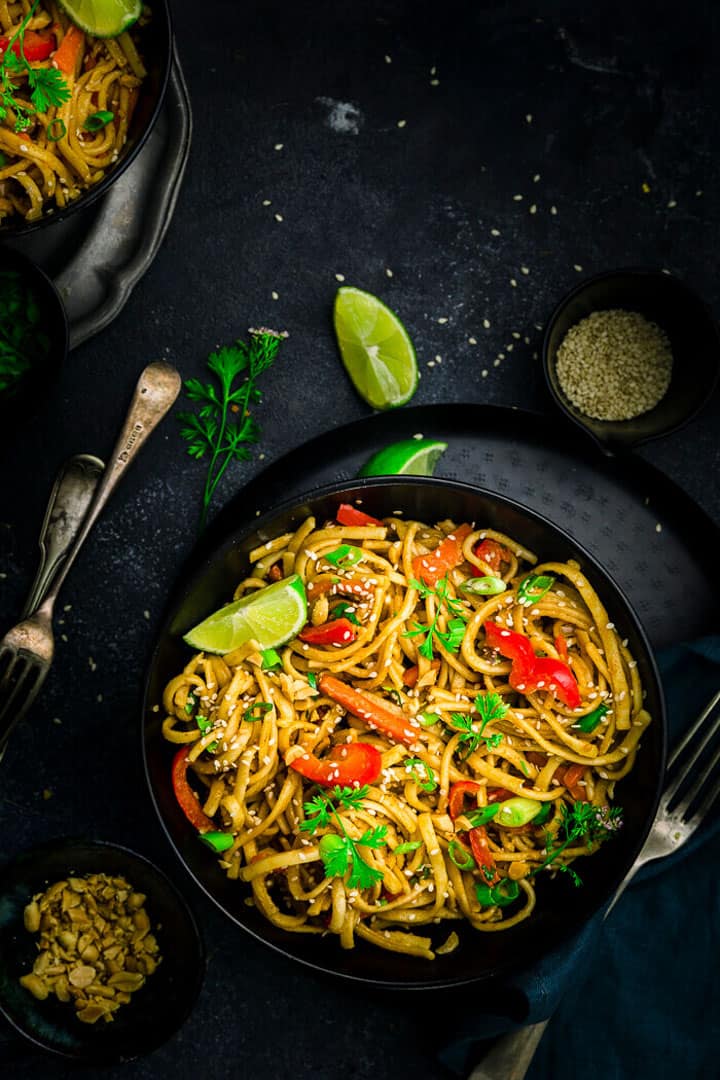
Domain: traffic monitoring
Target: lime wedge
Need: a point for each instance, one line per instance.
(412, 457)
(271, 616)
(377, 353)
(103, 18)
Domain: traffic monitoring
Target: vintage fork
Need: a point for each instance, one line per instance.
(692, 786)
(26, 651)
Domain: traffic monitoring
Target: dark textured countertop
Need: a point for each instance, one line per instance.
(302, 106)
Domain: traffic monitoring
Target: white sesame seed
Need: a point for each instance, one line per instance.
(278, 217)
(401, 123)
(472, 341)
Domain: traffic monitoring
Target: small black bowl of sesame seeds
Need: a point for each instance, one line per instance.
(630, 355)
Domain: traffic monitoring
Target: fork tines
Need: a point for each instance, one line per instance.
(690, 794)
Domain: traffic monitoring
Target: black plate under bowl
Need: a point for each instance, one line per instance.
(208, 581)
(155, 1012)
(155, 47)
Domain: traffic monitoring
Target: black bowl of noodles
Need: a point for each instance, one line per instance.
(208, 582)
(152, 39)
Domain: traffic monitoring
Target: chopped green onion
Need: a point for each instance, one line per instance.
(56, 130)
(345, 611)
(458, 855)
(271, 658)
(524, 767)
(428, 783)
(590, 722)
(190, 703)
(542, 815)
(534, 587)
(98, 120)
(218, 841)
(312, 679)
(427, 719)
(394, 694)
(483, 815)
(345, 555)
(484, 586)
(257, 711)
(517, 811)
(501, 894)
(411, 845)
(204, 724)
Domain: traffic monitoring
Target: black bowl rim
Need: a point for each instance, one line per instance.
(39, 851)
(196, 565)
(574, 414)
(24, 228)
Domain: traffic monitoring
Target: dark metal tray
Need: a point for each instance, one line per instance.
(98, 255)
(657, 544)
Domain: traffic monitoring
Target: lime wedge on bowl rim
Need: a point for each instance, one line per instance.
(103, 18)
(375, 348)
(409, 457)
(270, 616)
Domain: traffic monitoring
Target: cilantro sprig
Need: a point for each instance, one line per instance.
(489, 707)
(47, 86)
(594, 824)
(213, 432)
(340, 852)
(452, 637)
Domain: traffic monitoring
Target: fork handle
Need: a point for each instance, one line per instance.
(70, 497)
(156, 390)
(510, 1056)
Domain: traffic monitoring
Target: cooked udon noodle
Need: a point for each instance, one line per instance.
(39, 173)
(250, 790)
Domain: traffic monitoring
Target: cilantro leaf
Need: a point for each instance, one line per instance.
(49, 89)
(337, 851)
(222, 429)
(362, 875)
(373, 838)
(490, 707)
(451, 638)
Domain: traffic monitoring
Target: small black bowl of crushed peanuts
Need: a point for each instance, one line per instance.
(101, 960)
(631, 355)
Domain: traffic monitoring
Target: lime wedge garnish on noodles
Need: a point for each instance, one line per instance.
(377, 353)
(103, 18)
(270, 616)
(409, 457)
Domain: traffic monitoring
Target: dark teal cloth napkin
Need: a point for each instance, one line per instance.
(638, 995)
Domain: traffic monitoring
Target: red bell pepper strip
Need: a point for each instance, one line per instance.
(410, 675)
(347, 764)
(492, 554)
(530, 672)
(335, 632)
(186, 797)
(554, 675)
(35, 46)
(350, 515)
(275, 572)
(481, 853)
(514, 646)
(447, 555)
(376, 714)
(456, 796)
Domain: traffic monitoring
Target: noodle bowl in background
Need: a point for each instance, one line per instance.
(67, 158)
(473, 746)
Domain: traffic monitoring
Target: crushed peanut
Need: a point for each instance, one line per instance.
(95, 946)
